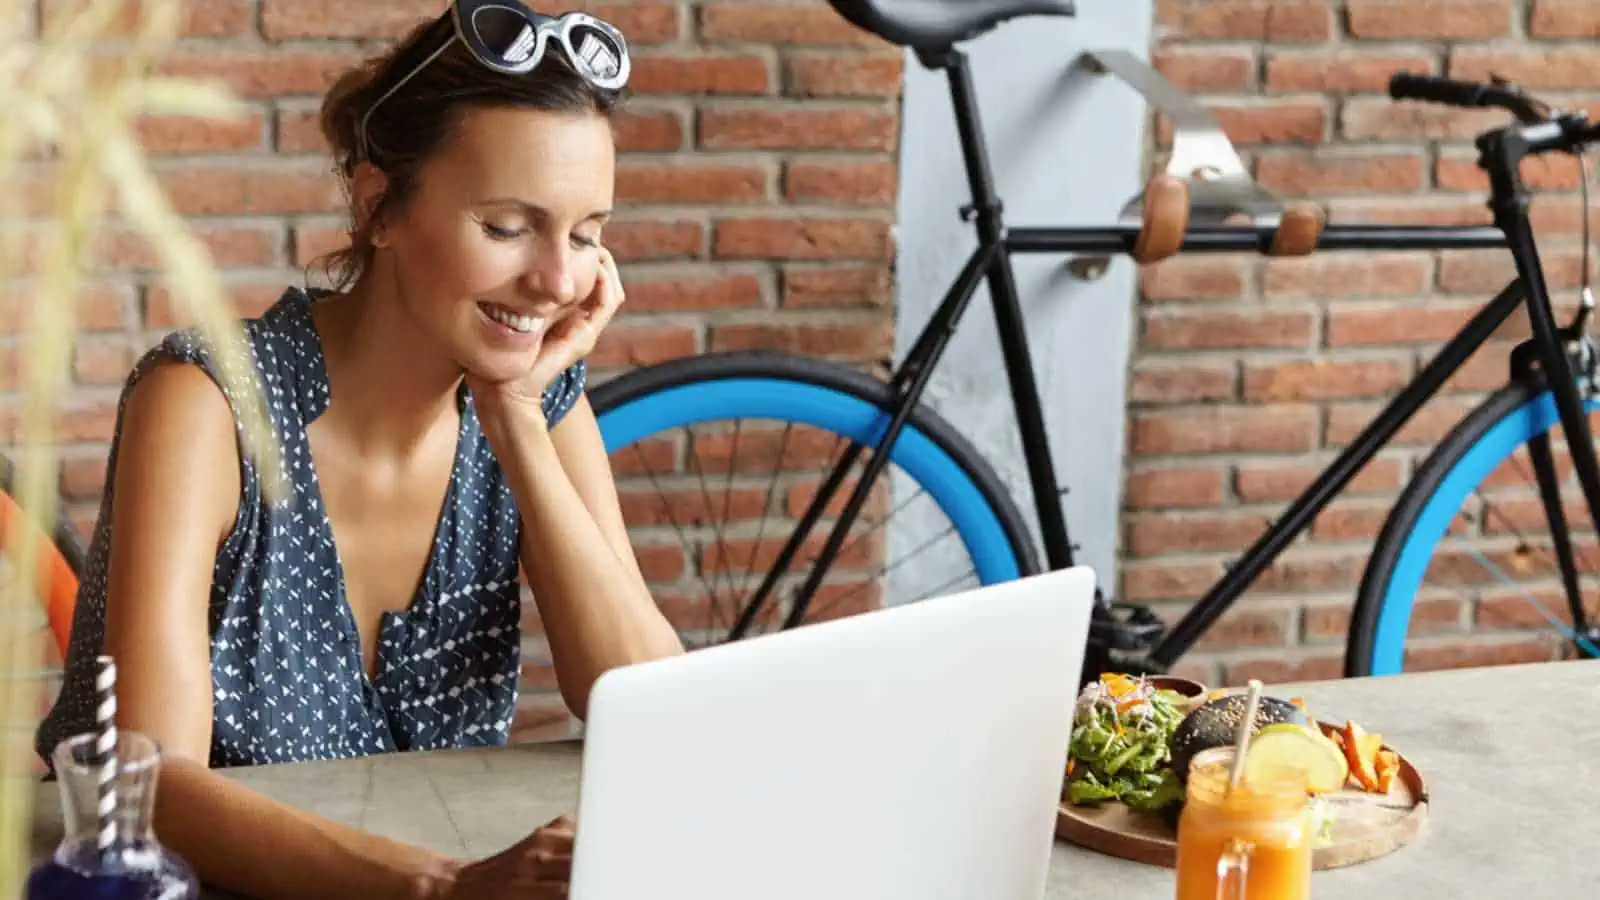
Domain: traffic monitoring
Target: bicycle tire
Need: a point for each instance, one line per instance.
(65, 559)
(846, 402)
(1478, 444)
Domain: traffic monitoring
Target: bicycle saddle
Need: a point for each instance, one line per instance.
(936, 24)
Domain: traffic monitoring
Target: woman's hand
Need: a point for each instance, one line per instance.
(567, 341)
(536, 868)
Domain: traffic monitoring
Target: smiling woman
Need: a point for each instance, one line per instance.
(437, 447)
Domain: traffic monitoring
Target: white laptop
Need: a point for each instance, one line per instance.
(907, 754)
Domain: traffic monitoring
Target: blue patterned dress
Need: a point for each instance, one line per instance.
(288, 679)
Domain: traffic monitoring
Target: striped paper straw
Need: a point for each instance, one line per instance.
(105, 685)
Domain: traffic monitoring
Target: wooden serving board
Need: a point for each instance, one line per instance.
(1365, 825)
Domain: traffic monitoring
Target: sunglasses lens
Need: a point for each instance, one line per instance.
(506, 33)
(596, 52)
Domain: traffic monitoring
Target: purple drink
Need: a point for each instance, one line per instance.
(135, 866)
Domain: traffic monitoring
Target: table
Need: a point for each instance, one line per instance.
(1509, 754)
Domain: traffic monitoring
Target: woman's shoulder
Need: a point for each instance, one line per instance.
(281, 323)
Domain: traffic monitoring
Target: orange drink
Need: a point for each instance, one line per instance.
(1251, 843)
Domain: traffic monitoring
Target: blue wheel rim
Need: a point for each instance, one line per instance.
(843, 414)
(1535, 417)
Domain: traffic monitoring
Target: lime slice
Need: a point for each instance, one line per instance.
(1287, 745)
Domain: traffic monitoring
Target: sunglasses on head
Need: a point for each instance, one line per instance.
(508, 37)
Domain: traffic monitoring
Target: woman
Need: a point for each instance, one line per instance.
(436, 442)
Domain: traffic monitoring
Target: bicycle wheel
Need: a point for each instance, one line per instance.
(1466, 517)
(783, 413)
(61, 559)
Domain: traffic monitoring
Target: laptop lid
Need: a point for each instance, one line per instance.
(904, 754)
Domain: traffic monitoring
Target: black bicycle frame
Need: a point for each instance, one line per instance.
(991, 261)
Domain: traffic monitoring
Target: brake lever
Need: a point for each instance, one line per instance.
(1529, 110)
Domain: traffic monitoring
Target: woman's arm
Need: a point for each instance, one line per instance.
(176, 493)
(592, 598)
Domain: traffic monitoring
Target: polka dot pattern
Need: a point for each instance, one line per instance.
(288, 681)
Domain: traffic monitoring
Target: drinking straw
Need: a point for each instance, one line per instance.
(105, 685)
(1241, 740)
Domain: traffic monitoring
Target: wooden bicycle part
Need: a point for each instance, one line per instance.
(1298, 231)
(1165, 219)
(1365, 825)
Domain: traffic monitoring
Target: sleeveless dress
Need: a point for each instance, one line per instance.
(288, 681)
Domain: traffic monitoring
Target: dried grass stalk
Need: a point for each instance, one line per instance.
(75, 94)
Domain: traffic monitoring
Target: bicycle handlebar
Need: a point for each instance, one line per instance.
(1470, 94)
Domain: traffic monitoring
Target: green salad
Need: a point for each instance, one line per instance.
(1119, 748)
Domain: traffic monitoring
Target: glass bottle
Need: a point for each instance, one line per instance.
(1253, 842)
(136, 866)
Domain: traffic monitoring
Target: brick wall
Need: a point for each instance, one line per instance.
(755, 190)
(1248, 374)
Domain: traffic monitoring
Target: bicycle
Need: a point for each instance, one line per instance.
(1551, 382)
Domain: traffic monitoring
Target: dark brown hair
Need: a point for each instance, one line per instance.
(416, 120)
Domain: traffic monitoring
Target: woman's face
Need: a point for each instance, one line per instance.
(500, 239)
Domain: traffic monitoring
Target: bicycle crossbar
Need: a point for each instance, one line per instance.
(1120, 239)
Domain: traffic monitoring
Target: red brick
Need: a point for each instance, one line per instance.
(186, 134)
(813, 23)
(1240, 628)
(633, 241)
(207, 19)
(1427, 426)
(671, 290)
(797, 127)
(1200, 277)
(1272, 481)
(1565, 19)
(1173, 487)
(644, 22)
(1215, 329)
(1540, 173)
(1317, 172)
(1342, 521)
(1224, 429)
(1430, 19)
(1486, 272)
(299, 131)
(1348, 275)
(288, 19)
(1373, 118)
(261, 189)
(248, 299)
(1262, 123)
(1201, 69)
(230, 247)
(1323, 379)
(1379, 324)
(83, 477)
(867, 338)
(264, 74)
(104, 362)
(1280, 21)
(765, 238)
(1281, 669)
(1421, 210)
(1158, 383)
(1474, 653)
(843, 75)
(1158, 534)
(310, 242)
(835, 285)
(845, 181)
(700, 74)
(643, 129)
(641, 182)
(1530, 67)
(633, 343)
(100, 306)
(1341, 70)
(690, 507)
(1145, 581)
